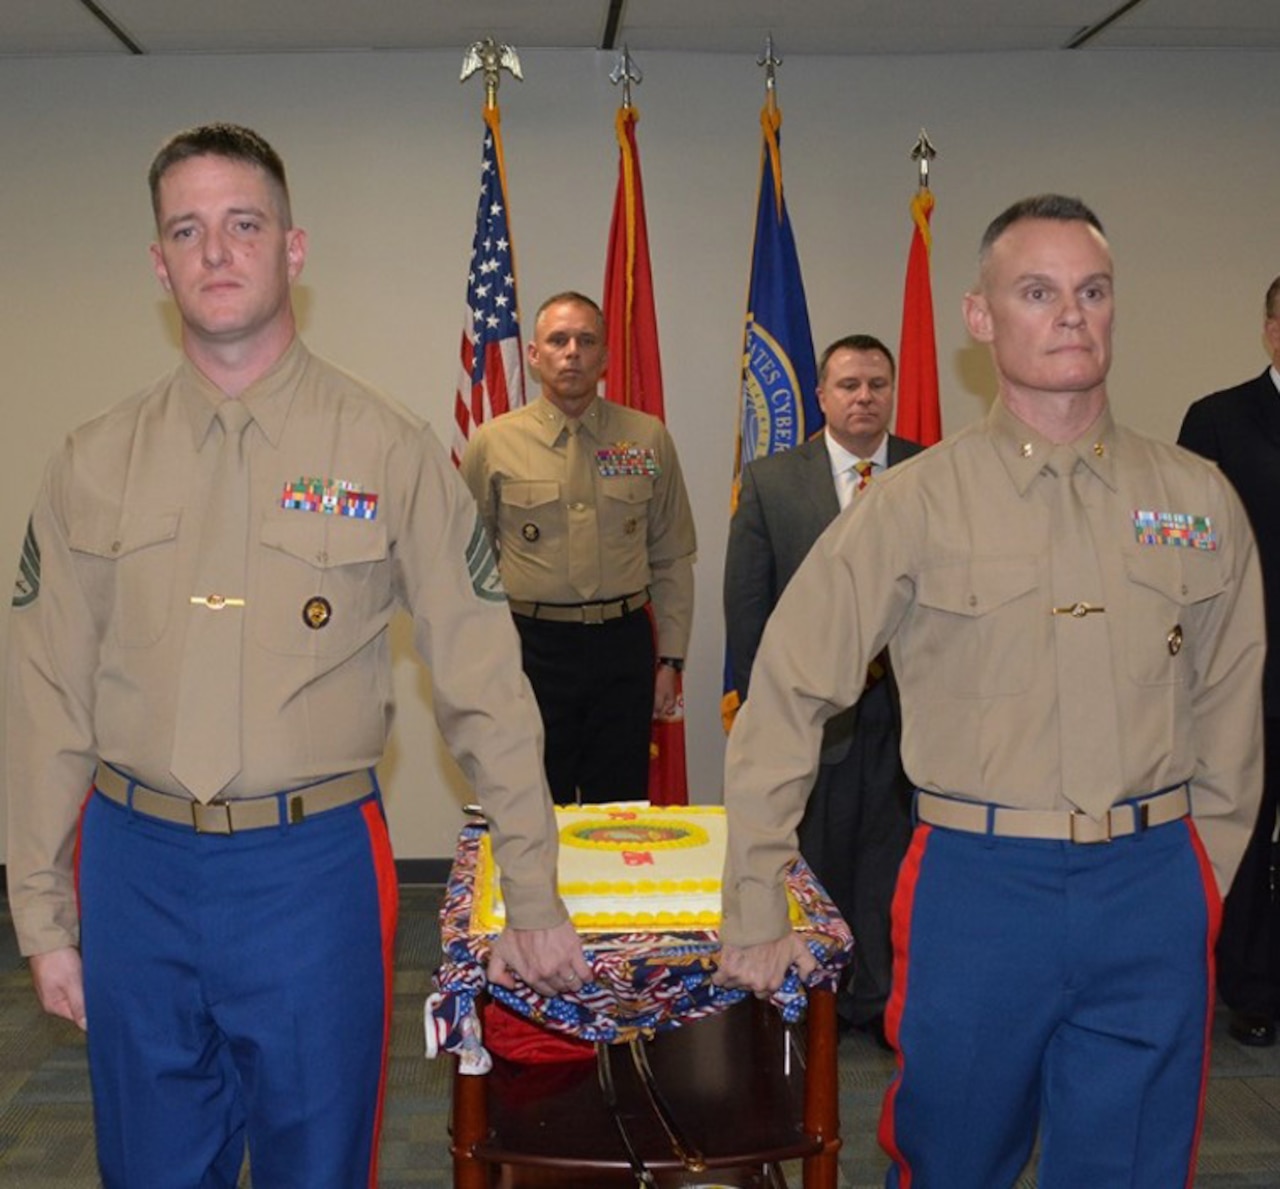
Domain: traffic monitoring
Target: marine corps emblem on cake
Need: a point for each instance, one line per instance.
(633, 834)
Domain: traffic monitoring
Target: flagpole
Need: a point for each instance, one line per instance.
(634, 374)
(626, 72)
(778, 402)
(923, 153)
(919, 413)
(491, 378)
(493, 58)
(770, 61)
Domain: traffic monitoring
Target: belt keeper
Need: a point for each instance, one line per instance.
(1142, 817)
(991, 825)
(297, 811)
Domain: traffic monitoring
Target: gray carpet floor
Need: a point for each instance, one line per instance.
(46, 1123)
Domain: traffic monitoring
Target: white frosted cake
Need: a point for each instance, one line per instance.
(627, 867)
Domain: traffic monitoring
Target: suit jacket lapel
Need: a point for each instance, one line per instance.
(820, 484)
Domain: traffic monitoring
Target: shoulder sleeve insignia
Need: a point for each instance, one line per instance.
(27, 585)
(482, 565)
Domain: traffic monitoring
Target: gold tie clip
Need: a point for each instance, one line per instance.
(1078, 610)
(216, 602)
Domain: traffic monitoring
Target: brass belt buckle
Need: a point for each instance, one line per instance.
(1089, 840)
(593, 613)
(196, 811)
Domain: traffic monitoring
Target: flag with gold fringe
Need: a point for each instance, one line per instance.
(779, 404)
(634, 378)
(919, 412)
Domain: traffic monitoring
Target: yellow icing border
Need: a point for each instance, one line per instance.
(484, 918)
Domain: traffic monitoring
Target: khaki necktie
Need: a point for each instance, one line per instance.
(206, 740)
(584, 525)
(1087, 714)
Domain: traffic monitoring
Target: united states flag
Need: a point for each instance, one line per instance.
(492, 377)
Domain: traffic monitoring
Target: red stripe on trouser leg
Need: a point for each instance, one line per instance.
(1213, 901)
(903, 903)
(389, 909)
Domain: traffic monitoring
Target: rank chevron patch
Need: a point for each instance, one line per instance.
(27, 585)
(482, 565)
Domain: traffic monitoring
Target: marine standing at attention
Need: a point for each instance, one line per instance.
(199, 642)
(585, 503)
(1074, 614)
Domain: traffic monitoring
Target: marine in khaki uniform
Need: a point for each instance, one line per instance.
(199, 642)
(586, 506)
(1074, 615)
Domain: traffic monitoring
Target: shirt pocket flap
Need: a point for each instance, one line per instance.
(326, 541)
(629, 489)
(975, 588)
(114, 535)
(530, 493)
(1183, 576)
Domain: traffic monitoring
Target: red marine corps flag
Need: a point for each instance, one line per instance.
(491, 380)
(634, 376)
(919, 413)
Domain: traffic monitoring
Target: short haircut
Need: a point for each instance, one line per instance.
(569, 295)
(1273, 299)
(856, 342)
(232, 141)
(1056, 207)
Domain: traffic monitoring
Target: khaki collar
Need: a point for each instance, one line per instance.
(268, 399)
(1025, 453)
(552, 421)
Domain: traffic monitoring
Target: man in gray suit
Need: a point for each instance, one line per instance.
(857, 823)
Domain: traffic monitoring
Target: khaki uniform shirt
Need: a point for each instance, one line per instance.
(97, 628)
(517, 468)
(950, 558)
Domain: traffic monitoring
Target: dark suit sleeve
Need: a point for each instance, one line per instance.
(1199, 432)
(750, 581)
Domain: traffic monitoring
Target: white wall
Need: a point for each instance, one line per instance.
(1175, 151)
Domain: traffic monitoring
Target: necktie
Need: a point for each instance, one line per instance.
(584, 527)
(1088, 719)
(863, 467)
(206, 741)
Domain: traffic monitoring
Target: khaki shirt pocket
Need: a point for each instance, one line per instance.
(141, 548)
(530, 513)
(625, 509)
(1168, 588)
(323, 585)
(975, 631)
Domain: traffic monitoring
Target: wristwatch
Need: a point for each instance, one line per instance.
(672, 662)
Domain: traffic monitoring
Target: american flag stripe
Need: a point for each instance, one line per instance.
(491, 379)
